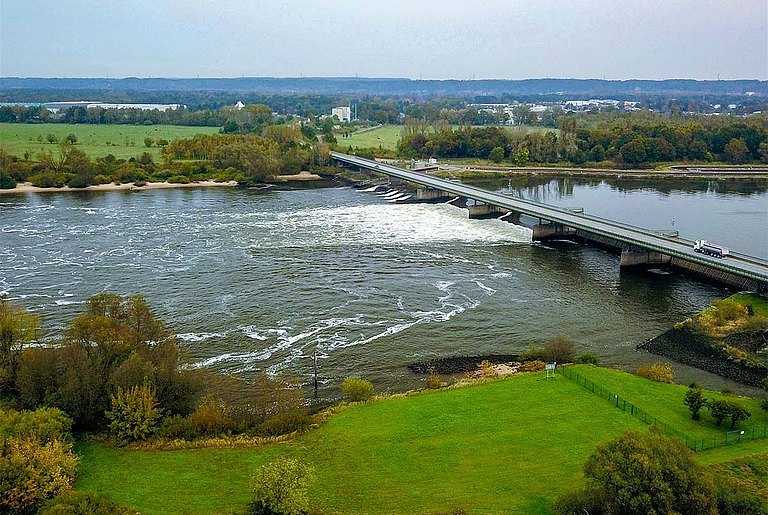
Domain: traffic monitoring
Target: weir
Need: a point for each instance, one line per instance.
(638, 247)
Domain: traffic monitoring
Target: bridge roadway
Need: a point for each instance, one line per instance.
(634, 237)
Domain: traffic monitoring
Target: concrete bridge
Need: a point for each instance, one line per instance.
(639, 247)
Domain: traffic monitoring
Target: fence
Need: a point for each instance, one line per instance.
(700, 444)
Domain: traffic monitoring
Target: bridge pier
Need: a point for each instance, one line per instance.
(643, 259)
(431, 195)
(485, 212)
(552, 231)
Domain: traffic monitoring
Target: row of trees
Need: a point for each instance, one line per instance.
(632, 145)
(118, 367)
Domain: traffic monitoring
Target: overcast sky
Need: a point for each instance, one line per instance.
(432, 39)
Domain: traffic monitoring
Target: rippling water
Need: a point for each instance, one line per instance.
(255, 281)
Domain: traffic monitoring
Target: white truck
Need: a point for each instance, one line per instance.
(710, 249)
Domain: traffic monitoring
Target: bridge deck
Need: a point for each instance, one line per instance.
(739, 264)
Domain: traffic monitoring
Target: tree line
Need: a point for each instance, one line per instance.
(617, 144)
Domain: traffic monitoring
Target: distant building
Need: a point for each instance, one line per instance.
(344, 114)
(239, 105)
(87, 104)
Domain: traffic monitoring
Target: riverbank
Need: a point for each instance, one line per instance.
(27, 187)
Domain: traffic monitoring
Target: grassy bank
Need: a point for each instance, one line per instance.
(123, 141)
(506, 446)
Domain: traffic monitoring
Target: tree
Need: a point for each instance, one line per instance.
(736, 151)
(71, 138)
(633, 152)
(52, 138)
(694, 399)
(148, 142)
(644, 472)
(281, 487)
(17, 329)
(496, 155)
(559, 350)
(134, 414)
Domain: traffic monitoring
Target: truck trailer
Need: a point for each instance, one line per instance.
(710, 249)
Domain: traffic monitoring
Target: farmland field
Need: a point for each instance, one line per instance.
(122, 141)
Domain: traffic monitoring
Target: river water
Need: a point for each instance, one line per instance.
(260, 281)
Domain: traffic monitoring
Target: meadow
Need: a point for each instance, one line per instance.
(509, 445)
(122, 141)
(387, 136)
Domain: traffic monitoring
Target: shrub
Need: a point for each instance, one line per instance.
(48, 180)
(134, 414)
(434, 381)
(178, 179)
(559, 350)
(177, 427)
(532, 366)
(588, 359)
(6, 181)
(533, 353)
(661, 372)
(645, 472)
(101, 179)
(79, 181)
(82, 503)
(357, 389)
(486, 368)
(579, 501)
(36, 459)
(282, 486)
(733, 499)
(285, 423)
(211, 417)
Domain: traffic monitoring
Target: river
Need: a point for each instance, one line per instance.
(255, 281)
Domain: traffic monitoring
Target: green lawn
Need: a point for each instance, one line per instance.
(123, 141)
(385, 136)
(508, 446)
(758, 302)
(665, 402)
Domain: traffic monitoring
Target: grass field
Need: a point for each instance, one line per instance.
(387, 136)
(508, 446)
(123, 141)
(665, 402)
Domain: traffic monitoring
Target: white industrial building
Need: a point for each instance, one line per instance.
(344, 114)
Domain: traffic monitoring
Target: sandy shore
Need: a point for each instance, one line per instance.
(28, 188)
(301, 176)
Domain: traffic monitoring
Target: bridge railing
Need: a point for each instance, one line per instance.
(695, 444)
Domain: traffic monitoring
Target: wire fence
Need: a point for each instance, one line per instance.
(696, 444)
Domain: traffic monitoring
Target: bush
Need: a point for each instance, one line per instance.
(178, 179)
(82, 503)
(282, 486)
(285, 423)
(577, 502)
(211, 417)
(79, 181)
(734, 500)
(661, 372)
(101, 179)
(177, 427)
(134, 414)
(533, 353)
(357, 389)
(532, 366)
(588, 359)
(559, 350)
(48, 180)
(434, 381)
(6, 181)
(645, 472)
(36, 459)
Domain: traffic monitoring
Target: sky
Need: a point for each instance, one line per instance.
(429, 39)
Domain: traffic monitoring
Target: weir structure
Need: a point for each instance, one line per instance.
(639, 248)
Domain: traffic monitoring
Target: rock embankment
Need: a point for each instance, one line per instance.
(697, 350)
(458, 364)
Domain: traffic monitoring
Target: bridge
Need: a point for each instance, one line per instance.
(639, 247)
